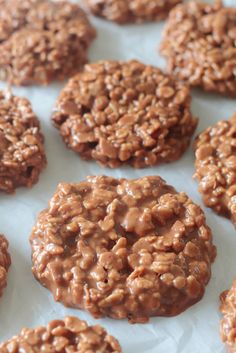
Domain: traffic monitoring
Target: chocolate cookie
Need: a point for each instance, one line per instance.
(125, 112)
(216, 167)
(123, 248)
(5, 262)
(199, 44)
(228, 323)
(123, 11)
(22, 155)
(68, 335)
(42, 40)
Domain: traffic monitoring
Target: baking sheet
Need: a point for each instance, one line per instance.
(26, 303)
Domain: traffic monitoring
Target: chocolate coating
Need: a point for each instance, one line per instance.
(5, 262)
(199, 44)
(42, 40)
(125, 113)
(59, 336)
(228, 323)
(216, 167)
(123, 248)
(22, 155)
(123, 11)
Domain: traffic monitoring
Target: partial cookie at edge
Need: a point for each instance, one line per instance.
(42, 40)
(70, 335)
(5, 262)
(118, 112)
(123, 248)
(22, 155)
(215, 164)
(228, 323)
(123, 11)
(199, 45)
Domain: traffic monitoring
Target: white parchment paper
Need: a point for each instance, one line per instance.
(26, 303)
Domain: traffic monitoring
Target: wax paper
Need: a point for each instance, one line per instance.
(26, 303)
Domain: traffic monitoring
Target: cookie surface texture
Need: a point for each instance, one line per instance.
(22, 155)
(228, 323)
(123, 248)
(215, 167)
(42, 40)
(5, 262)
(59, 336)
(125, 113)
(199, 44)
(123, 11)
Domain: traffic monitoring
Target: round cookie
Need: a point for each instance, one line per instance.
(228, 323)
(69, 335)
(123, 248)
(5, 262)
(22, 155)
(199, 44)
(123, 11)
(216, 167)
(42, 40)
(125, 113)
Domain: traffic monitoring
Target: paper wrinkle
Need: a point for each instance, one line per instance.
(26, 303)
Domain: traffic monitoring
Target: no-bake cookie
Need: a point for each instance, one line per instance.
(228, 323)
(22, 155)
(123, 248)
(5, 262)
(216, 167)
(199, 44)
(59, 336)
(123, 11)
(125, 113)
(42, 40)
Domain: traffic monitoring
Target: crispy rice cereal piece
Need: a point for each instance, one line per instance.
(42, 40)
(200, 46)
(22, 155)
(123, 11)
(228, 323)
(216, 167)
(123, 248)
(5, 262)
(125, 113)
(59, 336)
